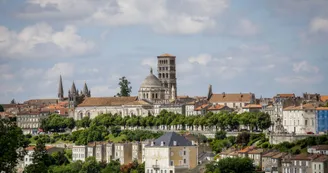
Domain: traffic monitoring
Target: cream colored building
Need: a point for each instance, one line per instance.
(170, 153)
(299, 119)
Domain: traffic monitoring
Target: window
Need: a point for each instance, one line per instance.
(171, 163)
(151, 171)
(319, 166)
(184, 161)
(184, 152)
(147, 170)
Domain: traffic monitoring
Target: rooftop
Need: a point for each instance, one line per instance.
(308, 106)
(225, 97)
(169, 138)
(106, 101)
(166, 55)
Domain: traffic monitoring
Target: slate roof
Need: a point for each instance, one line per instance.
(168, 139)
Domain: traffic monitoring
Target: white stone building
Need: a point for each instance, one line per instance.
(299, 119)
(30, 121)
(79, 152)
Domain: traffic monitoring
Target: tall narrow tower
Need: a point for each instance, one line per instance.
(166, 68)
(60, 89)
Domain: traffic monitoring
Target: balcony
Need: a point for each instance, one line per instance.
(156, 166)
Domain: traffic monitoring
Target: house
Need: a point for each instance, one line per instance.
(286, 164)
(299, 119)
(318, 149)
(252, 108)
(322, 120)
(256, 156)
(170, 153)
(79, 152)
(28, 158)
(216, 108)
(110, 149)
(232, 100)
(225, 154)
(244, 152)
(320, 164)
(123, 153)
(267, 160)
(301, 163)
(137, 152)
(276, 162)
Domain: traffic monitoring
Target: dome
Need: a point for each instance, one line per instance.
(151, 81)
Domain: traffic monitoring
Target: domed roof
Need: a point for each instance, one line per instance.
(151, 81)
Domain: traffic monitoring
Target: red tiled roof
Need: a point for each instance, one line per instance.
(30, 148)
(320, 147)
(305, 156)
(305, 106)
(201, 107)
(324, 98)
(219, 98)
(322, 108)
(216, 107)
(106, 101)
(253, 106)
(286, 95)
(322, 158)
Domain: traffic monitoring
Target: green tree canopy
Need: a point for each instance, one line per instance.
(1, 108)
(231, 165)
(41, 159)
(12, 144)
(125, 88)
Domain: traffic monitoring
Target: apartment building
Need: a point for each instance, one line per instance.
(170, 153)
(110, 149)
(256, 156)
(320, 164)
(137, 152)
(123, 153)
(301, 163)
(30, 121)
(79, 152)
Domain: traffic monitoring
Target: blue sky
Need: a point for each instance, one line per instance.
(265, 47)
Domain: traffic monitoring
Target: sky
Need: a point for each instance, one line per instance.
(264, 47)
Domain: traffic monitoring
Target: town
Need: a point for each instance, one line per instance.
(163, 86)
(158, 130)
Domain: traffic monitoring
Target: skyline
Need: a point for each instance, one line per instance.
(260, 47)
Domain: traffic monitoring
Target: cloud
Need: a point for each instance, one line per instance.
(163, 16)
(202, 59)
(298, 79)
(245, 27)
(41, 41)
(304, 66)
(103, 90)
(319, 25)
(64, 69)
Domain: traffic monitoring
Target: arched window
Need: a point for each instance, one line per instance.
(81, 115)
(156, 96)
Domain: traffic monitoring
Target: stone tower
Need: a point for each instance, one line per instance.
(73, 95)
(60, 89)
(166, 68)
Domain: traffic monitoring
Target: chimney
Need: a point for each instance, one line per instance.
(223, 94)
(193, 142)
(162, 143)
(152, 143)
(174, 143)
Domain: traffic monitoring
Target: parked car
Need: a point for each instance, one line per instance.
(309, 133)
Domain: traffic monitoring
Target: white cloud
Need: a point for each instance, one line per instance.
(299, 79)
(319, 25)
(151, 62)
(304, 66)
(165, 16)
(202, 59)
(64, 69)
(5, 72)
(40, 40)
(244, 27)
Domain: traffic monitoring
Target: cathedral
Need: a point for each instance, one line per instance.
(155, 94)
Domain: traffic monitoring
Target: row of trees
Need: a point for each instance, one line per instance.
(223, 120)
(231, 165)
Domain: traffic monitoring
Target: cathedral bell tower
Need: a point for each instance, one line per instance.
(166, 68)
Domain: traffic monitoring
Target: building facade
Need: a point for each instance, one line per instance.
(322, 120)
(299, 119)
(30, 122)
(170, 153)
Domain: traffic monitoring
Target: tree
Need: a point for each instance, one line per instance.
(90, 166)
(12, 145)
(220, 134)
(113, 167)
(41, 159)
(125, 88)
(243, 138)
(1, 108)
(231, 165)
(13, 101)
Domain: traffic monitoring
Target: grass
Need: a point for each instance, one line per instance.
(117, 139)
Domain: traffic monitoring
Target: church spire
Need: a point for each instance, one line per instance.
(73, 89)
(60, 89)
(86, 91)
